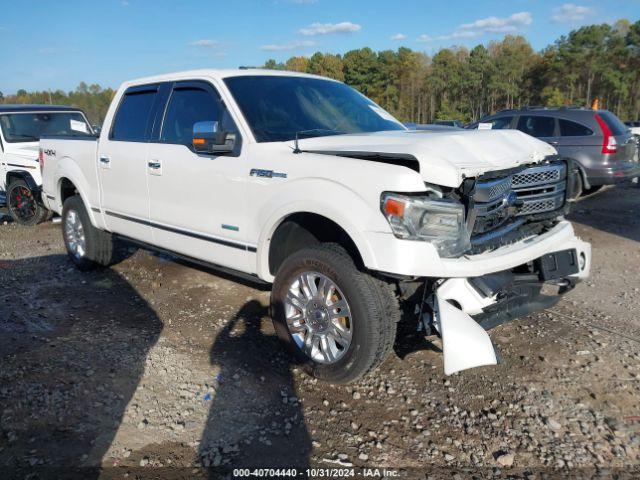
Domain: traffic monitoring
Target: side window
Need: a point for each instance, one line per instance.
(186, 107)
(132, 119)
(537, 126)
(573, 129)
(501, 123)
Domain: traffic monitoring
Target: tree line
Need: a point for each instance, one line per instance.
(595, 61)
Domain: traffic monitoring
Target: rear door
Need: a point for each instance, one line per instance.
(122, 162)
(542, 127)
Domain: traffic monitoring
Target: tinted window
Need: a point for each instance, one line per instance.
(613, 122)
(186, 107)
(500, 123)
(29, 127)
(132, 119)
(278, 107)
(573, 129)
(537, 126)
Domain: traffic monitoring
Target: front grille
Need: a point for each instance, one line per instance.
(538, 175)
(506, 203)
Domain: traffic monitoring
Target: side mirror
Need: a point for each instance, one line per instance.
(96, 129)
(208, 138)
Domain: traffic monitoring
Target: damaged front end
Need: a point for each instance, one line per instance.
(503, 208)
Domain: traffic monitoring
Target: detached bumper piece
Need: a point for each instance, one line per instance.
(465, 308)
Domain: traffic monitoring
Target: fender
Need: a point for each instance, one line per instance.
(26, 176)
(69, 169)
(354, 220)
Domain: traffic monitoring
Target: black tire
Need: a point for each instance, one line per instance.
(99, 250)
(373, 304)
(24, 205)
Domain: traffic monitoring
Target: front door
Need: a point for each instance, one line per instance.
(197, 202)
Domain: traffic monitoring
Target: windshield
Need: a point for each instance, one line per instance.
(29, 127)
(277, 108)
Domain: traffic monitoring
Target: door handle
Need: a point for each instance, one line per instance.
(105, 160)
(154, 165)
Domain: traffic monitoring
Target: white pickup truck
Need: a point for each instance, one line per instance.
(302, 182)
(20, 129)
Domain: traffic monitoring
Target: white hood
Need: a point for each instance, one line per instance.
(446, 157)
(21, 150)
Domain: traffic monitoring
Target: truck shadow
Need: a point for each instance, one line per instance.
(255, 419)
(73, 348)
(613, 210)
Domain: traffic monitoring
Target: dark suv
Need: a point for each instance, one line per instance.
(602, 146)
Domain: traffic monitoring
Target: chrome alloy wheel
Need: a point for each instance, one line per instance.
(318, 317)
(74, 233)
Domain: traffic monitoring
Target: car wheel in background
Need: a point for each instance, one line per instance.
(23, 204)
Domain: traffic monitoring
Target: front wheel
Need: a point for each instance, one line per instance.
(339, 321)
(24, 206)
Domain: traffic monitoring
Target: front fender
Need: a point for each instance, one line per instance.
(342, 206)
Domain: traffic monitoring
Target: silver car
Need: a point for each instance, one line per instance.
(601, 145)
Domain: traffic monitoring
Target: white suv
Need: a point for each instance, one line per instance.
(21, 127)
(303, 182)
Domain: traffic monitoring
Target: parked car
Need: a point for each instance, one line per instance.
(601, 145)
(429, 127)
(300, 182)
(634, 127)
(449, 123)
(20, 129)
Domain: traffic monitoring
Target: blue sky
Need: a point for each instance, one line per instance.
(51, 45)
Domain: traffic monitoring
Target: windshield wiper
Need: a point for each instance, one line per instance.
(331, 131)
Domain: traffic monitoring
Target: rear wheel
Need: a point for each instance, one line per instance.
(87, 246)
(24, 206)
(340, 322)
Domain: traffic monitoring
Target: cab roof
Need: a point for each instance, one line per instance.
(219, 74)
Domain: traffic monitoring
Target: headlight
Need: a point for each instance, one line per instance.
(440, 222)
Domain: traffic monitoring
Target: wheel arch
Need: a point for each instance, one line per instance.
(297, 229)
(22, 175)
(66, 187)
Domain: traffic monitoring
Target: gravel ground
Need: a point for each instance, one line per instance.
(156, 369)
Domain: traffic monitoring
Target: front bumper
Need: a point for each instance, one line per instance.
(420, 259)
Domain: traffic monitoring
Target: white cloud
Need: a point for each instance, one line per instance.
(303, 2)
(571, 13)
(125, 3)
(205, 43)
(279, 47)
(330, 28)
(498, 24)
(511, 24)
(398, 36)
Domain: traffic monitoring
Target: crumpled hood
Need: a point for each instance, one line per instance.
(445, 157)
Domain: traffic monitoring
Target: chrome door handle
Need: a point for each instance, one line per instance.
(105, 160)
(154, 165)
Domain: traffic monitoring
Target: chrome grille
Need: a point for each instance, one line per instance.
(498, 202)
(538, 175)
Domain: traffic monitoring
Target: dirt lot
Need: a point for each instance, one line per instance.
(158, 368)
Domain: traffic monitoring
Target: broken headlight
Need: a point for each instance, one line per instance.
(440, 222)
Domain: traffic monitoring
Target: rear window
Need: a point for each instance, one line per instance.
(134, 114)
(573, 129)
(614, 123)
(537, 126)
(29, 127)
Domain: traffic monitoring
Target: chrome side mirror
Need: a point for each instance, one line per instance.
(208, 138)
